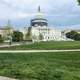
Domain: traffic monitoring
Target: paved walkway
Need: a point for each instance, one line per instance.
(15, 44)
(9, 45)
(6, 78)
(32, 51)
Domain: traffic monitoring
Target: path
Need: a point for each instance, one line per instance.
(32, 51)
(15, 44)
(6, 78)
(7, 45)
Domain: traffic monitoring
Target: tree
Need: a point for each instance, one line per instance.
(77, 37)
(78, 1)
(1, 39)
(28, 35)
(73, 35)
(41, 37)
(17, 36)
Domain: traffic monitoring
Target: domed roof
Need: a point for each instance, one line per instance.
(39, 14)
(39, 19)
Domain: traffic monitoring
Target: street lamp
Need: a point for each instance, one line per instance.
(10, 40)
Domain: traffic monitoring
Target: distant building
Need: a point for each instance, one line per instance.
(6, 32)
(2, 31)
(40, 31)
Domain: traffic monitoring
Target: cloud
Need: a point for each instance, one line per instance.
(49, 6)
(66, 12)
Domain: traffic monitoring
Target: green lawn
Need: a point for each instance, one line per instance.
(41, 66)
(47, 45)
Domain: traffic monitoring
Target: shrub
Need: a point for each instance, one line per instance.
(1, 39)
(17, 36)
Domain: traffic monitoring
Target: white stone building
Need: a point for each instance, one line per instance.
(40, 31)
(47, 33)
(6, 33)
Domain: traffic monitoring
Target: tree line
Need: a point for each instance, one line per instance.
(17, 36)
(73, 35)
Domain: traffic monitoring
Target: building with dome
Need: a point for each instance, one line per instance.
(39, 19)
(39, 30)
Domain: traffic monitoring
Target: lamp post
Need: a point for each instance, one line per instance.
(10, 40)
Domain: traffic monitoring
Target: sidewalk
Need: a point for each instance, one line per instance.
(14, 44)
(6, 78)
(32, 51)
(9, 45)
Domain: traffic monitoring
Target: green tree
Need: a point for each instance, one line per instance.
(41, 37)
(17, 36)
(73, 35)
(78, 1)
(1, 39)
(77, 37)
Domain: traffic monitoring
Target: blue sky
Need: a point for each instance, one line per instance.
(60, 13)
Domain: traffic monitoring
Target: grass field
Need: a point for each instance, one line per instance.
(47, 45)
(41, 66)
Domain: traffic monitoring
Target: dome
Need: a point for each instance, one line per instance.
(39, 19)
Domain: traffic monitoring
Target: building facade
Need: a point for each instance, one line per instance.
(6, 32)
(40, 31)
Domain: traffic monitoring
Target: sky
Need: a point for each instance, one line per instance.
(61, 14)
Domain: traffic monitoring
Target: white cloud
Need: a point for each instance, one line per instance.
(50, 6)
(16, 9)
